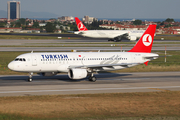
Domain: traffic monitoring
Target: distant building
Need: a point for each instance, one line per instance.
(3, 19)
(42, 24)
(8, 30)
(65, 18)
(88, 19)
(13, 9)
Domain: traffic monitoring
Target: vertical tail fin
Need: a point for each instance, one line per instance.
(80, 25)
(145, 42)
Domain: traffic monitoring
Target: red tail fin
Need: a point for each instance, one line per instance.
(145, 42)
(80, 25)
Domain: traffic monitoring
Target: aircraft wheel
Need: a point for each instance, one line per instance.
(110, 40)
(93, 79)
(30, 77)
(30, 80)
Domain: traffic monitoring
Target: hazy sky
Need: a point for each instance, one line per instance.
(103, 8)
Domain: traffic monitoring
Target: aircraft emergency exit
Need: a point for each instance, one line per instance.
(80, 65)
(112, 35)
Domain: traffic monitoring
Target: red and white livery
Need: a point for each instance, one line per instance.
(80, 65)
(111, 35)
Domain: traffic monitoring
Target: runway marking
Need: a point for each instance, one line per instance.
(67, 90)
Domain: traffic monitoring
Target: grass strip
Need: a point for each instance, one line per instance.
(164, 104)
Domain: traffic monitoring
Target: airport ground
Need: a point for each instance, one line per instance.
(119, 95)
(17, 85)
(114, 106)
(69, 36)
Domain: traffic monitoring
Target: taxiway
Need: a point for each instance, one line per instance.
(15, 85)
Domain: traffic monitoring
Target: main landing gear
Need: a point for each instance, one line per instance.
(30, 77)
(92, 78)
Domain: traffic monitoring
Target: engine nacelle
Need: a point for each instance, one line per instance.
(132, 38)
(48, 73)
(77, 73)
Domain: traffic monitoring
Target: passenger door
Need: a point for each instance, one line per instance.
(34, 60)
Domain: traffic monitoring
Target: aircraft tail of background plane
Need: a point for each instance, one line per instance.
(80, 25)
(144, 44)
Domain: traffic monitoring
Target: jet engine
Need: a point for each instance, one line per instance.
(77, 73)
(48, 73)
(132, 38)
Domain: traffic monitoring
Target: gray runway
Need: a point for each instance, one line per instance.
(65, 45)
(33, 41)
(13, 85)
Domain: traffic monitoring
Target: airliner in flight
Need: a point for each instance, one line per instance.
(112, 35)
(81, 65)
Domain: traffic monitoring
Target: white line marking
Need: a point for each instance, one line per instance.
(67, 90)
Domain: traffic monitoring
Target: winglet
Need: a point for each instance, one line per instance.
(144, 44)
(80, 25)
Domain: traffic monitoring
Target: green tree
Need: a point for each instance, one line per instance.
(137, 22)
(73, 27)
(169, 20)
(94, 25)
(167, 26)
(18, 24)
(22, 21)
(50, 27)
(12, 24)
(2, 24)
(36, 25)
(162, 23)
(158, 26)
(61, 28)
(27, 23)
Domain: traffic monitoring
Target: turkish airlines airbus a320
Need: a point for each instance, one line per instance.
(112, 35)
(80, 65)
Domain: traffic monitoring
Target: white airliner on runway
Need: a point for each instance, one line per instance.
(112, 35)
(80, 65)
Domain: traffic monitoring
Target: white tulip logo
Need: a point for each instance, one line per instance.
(147, 39)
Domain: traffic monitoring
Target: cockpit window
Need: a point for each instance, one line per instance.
(20, 59)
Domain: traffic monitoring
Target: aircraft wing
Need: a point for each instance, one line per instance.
(120, 36)
(70, 31)
(102, 65)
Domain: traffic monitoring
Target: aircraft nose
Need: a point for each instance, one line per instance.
(11, 65)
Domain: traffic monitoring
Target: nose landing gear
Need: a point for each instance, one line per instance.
(30, 77)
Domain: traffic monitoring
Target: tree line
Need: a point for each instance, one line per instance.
(51, 27)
